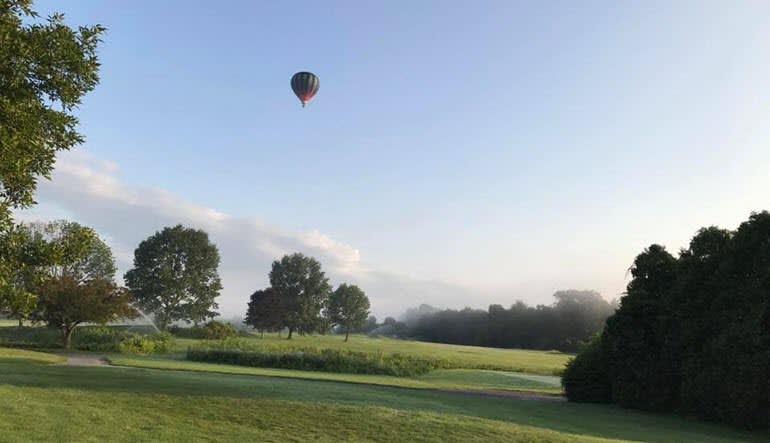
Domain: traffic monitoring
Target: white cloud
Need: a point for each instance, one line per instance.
(89, 191)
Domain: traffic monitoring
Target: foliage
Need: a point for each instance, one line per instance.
(217, 330)
(73, 250)
(692, 333)
(64, 303)
(23, 258)
(574, 317)
(145, 344)
(348, 307)
(85, 338)
(304, 291)
(585, 378)
(45, 69)
(175, 276)
(266, 311)
(314, 359)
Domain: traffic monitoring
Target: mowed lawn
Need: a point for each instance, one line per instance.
(516, 360)
(49, 402)
(449, 379)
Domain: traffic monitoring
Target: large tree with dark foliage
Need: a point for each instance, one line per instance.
(304, 289)
(692, 333)
(175, 276)
(266, 311)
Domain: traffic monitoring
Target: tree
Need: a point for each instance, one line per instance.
(304, 289)
(175, 276)
(348, 307)
(74, 250)
(64, 303)
(45, 69)
(692, 334)
(266, 311)
(24, 257)
(370, 324)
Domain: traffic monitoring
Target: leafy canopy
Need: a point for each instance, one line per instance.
(348, 307)
(175, 275)
(64, 303)
(304, 290)
(45, 69)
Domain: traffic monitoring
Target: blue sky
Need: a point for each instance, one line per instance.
(460, 153)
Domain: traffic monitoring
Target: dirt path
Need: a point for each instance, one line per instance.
(85, 360)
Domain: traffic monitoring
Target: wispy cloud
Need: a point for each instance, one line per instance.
(89, 190)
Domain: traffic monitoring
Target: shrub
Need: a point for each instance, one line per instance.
(213, 330)
(88, 338)
(217, 330)
(184, 332)
(312, 359)
(146, 344)
(585, 378)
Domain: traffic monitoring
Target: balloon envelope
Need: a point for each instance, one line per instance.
(305, 85)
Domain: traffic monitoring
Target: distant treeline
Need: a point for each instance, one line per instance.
(573, 318)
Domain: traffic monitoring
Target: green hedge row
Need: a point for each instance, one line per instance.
(324, 360)
(88, 338)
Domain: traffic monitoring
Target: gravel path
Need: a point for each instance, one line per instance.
(85, 360)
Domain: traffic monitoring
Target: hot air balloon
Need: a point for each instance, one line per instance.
(304, 85)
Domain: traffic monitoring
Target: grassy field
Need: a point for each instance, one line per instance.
(43, 402)
(465, 379)
(472, 357)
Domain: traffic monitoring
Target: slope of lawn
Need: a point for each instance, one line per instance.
(60, 403)
(471, 357)
(465, 379)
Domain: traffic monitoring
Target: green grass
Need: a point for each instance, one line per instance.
(58, 403)
(466, 379)
(29, 356)
(471, 357)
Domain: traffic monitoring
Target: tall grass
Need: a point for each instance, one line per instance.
(244, 353)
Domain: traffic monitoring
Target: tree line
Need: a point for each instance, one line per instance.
(63, 274)
(573, 318)
(300, 299)
(692, 333)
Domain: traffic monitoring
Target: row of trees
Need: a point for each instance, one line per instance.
(300, 299)
(63, 274)
(692, 334)
(573, 318)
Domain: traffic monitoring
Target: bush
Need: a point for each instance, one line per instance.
(586, 378)
(146, 344)
(217, 330)
(312, 359)
(191, 332)
(213, 330)
(87, 338)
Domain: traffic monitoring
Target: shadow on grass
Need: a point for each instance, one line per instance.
(594, 420)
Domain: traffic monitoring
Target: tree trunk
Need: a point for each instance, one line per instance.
(290, 332)
(261, 334)
(67, 331)
(347, 333)
(21, 322)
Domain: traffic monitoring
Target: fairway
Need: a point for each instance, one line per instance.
(46, 402)
(449, 379)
